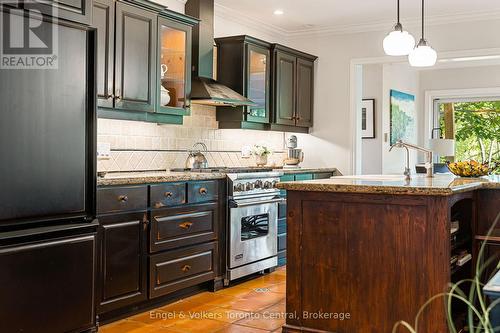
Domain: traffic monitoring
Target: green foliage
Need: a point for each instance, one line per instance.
(477, 131)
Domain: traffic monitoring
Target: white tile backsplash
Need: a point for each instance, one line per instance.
(201, 126)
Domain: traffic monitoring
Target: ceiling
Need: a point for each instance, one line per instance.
(318, 15)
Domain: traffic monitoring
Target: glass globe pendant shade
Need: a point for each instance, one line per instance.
(398, 42)
(422, 55)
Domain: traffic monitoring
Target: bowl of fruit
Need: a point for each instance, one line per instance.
(470, 168)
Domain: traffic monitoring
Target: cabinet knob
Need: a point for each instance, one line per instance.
(117, 95)
(186, 268)
(203, 191)
(186, 225)
(159, 204)
(122, 198)
(169, 194)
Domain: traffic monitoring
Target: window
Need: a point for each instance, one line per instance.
(475, 126)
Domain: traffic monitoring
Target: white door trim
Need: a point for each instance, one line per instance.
(432, 95)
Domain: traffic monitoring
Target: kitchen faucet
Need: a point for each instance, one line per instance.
(429, 165)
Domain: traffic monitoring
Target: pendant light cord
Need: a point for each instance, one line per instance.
(423, 14)
(398, 10)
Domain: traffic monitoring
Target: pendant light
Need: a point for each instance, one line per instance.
(398, 42)
(423, 55)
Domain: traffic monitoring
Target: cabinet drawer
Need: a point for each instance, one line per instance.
(202, 191)
(165, 195)
(178, 269)
(282, 258)
(122, 199)
(281, 226)
(281, 242)
(282, 210)
(304, 176)
(172, 228)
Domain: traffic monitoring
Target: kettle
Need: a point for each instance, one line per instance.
(196, 159)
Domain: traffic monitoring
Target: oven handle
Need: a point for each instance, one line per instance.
(234, 204)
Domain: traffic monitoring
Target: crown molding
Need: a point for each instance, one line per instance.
(385, 25)
(376, 25)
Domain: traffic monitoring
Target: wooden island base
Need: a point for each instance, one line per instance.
(376, 257)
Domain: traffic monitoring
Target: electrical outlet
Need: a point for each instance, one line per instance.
(103, 151)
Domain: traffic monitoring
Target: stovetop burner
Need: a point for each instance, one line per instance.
(225, 170)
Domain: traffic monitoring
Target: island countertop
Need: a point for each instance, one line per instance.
(441, 184)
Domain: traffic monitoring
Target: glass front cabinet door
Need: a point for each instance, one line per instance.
(174, 69)
(257, 83)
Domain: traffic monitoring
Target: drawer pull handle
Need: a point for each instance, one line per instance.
(122, 198)
(186, 268)
(186, 225)
(203, 191)
(169, 194)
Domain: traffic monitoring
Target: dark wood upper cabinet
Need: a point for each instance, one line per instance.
(285, 88)
(104, 20)
(79, 11)
(244, 65)
(135, 58)
(144, 63)
(174, 66)
(305, 92)
(293, 89)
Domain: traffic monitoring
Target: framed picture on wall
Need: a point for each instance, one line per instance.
(403, 117)
(368, 119)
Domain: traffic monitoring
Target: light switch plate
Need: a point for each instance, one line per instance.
(103, 151)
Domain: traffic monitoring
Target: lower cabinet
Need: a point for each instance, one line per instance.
(49, 285)
(177, 269)
(155, 240)
(123, 260)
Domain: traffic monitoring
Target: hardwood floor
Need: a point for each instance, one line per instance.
(255, 306)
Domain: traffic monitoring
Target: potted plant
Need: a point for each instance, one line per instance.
(261, 153)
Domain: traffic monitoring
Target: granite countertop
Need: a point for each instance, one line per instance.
(394, 184)
(134, 178)
(145, 177)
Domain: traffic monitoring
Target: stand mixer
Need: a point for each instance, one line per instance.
(294, 155)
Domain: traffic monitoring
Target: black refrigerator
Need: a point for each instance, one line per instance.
(47, 187)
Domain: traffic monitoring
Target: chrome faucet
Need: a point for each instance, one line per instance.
(429, 164)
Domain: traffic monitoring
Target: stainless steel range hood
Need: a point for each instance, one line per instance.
(204, 89)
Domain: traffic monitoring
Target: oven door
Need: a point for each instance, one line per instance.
(253, 231)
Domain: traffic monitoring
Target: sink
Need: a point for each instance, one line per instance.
(380, 178)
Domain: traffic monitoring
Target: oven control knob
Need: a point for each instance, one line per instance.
(239, 187)
(274, 183)
(258, 184)
(268, 185)
(250, 186)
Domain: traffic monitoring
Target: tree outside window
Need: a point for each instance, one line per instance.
(476, 130)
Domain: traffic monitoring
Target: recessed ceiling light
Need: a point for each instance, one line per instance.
(279, 12)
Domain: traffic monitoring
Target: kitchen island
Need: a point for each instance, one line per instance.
(366, 252)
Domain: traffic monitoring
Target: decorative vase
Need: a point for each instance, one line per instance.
(260, 160)
(164, 97)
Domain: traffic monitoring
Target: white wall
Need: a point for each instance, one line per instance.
(403, 78)
(372, 148)
(332, 128)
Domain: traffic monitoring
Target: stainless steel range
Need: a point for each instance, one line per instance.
(252, 222)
